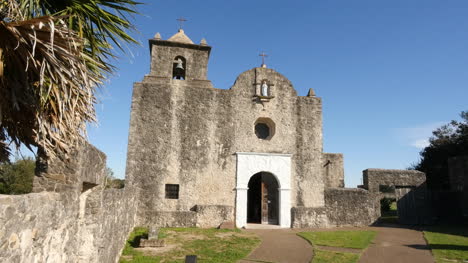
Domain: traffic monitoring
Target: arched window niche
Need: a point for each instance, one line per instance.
(179, 68)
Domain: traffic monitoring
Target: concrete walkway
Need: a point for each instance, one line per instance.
(280, 246)
(397, 245)
(392, 245)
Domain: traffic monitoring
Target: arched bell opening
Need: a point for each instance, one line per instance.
(179, 67)
(263, 199)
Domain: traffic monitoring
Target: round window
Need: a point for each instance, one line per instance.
(264, 128)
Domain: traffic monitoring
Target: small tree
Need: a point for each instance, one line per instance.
(450, 140)
(17, 178)
(111, 182)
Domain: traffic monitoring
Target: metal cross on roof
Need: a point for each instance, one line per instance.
(181, 21)
(263, 55)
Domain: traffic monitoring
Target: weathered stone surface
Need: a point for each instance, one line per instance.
(86, 164)
(67, 226)
(351, 206)
(373, 178)
(186, 132)
(169, 218)
(308, 217)
(213, 215)
(153, 233)
(333, 170)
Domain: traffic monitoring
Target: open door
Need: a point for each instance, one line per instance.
(262, 199)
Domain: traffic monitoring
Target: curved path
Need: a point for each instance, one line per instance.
(279, 246)
(397, 245)
(393, 244)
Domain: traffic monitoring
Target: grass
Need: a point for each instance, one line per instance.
(448, 243)
(339, 239)
(390, 216)
(325, 256)
(210, 245)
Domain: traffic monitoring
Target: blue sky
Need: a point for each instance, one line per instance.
(388, 72)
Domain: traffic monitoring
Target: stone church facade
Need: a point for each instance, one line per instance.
(201, 156)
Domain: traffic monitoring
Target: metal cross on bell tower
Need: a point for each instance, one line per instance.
(263, 55)
(181, 21)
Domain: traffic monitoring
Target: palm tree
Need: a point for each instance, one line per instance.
(54, 54)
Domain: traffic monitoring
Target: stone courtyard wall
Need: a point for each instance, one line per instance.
(67, 225)
(308, 217)
(458, 175)
(373, 178)
(351, 207)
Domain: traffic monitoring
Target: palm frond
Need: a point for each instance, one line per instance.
(47, 90)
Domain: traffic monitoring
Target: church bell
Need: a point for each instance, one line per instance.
(179, 64)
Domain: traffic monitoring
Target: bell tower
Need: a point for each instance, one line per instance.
(178, 57)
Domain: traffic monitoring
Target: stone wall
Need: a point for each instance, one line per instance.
(167, 218)
(343, 207)
(39, 227)
(351, 207)
(333, 170)
(214, 215)
(66, 224)
(374, 178)
(308, 217)
(458, 175)
(85, 166)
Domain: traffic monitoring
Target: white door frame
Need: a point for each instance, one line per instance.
(250, 163)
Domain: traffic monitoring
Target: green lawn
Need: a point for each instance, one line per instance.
(448, 243)
(390, 216)
(343, 239)
(210, 245)
(325, 256)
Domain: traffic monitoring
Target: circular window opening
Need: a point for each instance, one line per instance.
(264, 128)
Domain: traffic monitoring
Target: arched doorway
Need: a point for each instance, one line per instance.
(262, 199)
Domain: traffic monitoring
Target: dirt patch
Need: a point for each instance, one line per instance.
(151, 251)
(190, 237)
(226, 234)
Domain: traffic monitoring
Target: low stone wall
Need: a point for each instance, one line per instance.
(204, 216)
(65, 227)
(351, 207)
(39, 227)
(213, 215)
(168, 218)
(105, 223)
(308, 217)
(66, 222)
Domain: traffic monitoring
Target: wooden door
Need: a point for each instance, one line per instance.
(264, 203)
